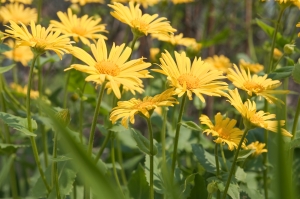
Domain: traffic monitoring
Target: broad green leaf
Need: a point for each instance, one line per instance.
(132, 162)
(158, 182)
(205, 159)
(5, 169)
(186, 187)
(199, 190)
(10, 148)
(220, 37)
(234, 191)
(60, 158)
(143, 143)
(295, 143)
(296, 73)
(251, 193)
(4, 48)
(4, 69)
(244, 154)
(124, 135)
(240, 175)
(18, 123)
(138, 185)
(49, 58)
(191, 125)
(281, 73)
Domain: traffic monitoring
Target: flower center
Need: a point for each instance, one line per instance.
(79, 30)
(254, 87)
(190, 80)
(257, 120)
(140, 26)
(142, 105)
(107, 67)
(222, 133)
(40, 44)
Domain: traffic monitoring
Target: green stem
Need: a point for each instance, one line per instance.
(177, 133)
(151, 156)
(265, 156)
(15, 101)
(163, 134)
(223, 157)
(234, 163)
(270, 68)
(120, 159)
(40, 3)
(114, 165)
(54, 167)
(135, 38)
(92, 131)
(217, 167)
(296, 118)
(103, 146)
(81, 109)
(66, 89)
(45, 144)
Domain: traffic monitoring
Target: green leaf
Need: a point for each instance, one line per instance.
(281, 73)
(4, 69)
(296, 73)
(5, 169)
(60, 158)
(158, 182)
(4, 48)
(18, 123)
(191, 125)
(186, 187)
(138, 185)
(10, 148)
(220, 37)
(240, 175)
(251, 193)
(233, 191)
(49, 58)
(244, 154)
(205, 159)
(143, 143)
(132, 162)
(199, 190)
(295, 143)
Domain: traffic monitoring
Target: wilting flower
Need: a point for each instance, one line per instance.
(258, 85)
(221, 63)
(40, 39)
(141, 24)
(224, 130)
(255, 68)
(258, 147)
(189, 78)
(112, 67)
(83, 2)
(21, 54)
(175, 39)
(83, 28)
(128, 109)
(22, 91)
(254, 118)
(18, 13)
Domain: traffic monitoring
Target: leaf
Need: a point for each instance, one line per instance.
(5, 169)
(143, 143)
(251, 193)
(4, 48)
(205, 159)
(4, 69)
(296, 73)
(244, 154)
(49, 58)
(10, 148)
(138, 185)
(157, 180)
(241, 175)
(186, 187)
(295, 143)
(233, 191)
(191, 125)
(60, 158)
(132, 162)
(281, 73)
(199, 190)
(18, 123)
(217, 39)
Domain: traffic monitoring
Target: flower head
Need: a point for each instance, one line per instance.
(224, 129)
(175, 39)
(258, 147)
(255, 68)
(128, 109)
(22, 91)
(40, 39)
(221, 63)
(21, 1)
(83, 2)
(255, 118)
(187, 77)
(144, 3)
(258, 85)
(83, 28)
(141, 24)
(18, 13)
(112, 67)
(181, 1)
(21, 54)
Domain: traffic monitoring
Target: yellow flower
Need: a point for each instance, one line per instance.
(181, 1)
(175, 39)
(112, 67)
(141, 24)
(253, 117)
(40, 39)
(145, 3)
(221, 63)
(23, 91)
(127, 109)
(21, 54)
(21, 1)
(298, 25)
(153, 53)
(83, 2)
(255, 68)
(83, 28)
(189, 78)
(224, 130)
(258, 147)
(18, 13)
(258, 85)
(277, 54)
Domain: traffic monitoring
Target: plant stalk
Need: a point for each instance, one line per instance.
(150, 131)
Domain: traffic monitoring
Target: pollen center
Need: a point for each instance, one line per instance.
(140, 25)
(223, 133)
(39, 43)
(107, 67)
(143, 105)
(79, 30)
(191, 81)
(254, 87)
(257, 120)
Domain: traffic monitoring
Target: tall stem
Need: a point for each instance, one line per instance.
(135, 38)
(163, 134)
(80, 114)
(54, 167)
(223, 157)
(114, 165)
(92, 131)
(234, 163)
(120, 160)
(66, 89)
(296, 118)
(177, 133)
(151, 156)
(217, 167)
(103, 146)
(265, 156)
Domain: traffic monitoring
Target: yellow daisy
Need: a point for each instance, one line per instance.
(189, 78)
(175, 39)
(22, 91)
(181, 1)
(258, 85)
(144, 3)
(224, 130)
(253, 117)
(83, 2)
(128, 109)
(141, 24)
(21, 54)
(83, 28)
(298, 25)
(18, 13)
(255, 68)
(113, 67)
(221, 63)
(21, 1)
(40, 39)
(258, 147)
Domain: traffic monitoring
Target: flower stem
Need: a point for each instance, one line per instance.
(151, 156)
(54, 167)
(103, 146)
(223, 157)
(177, 133)
(163, 134)
(81, 109)
(114, 164)
(40, 3)
(296, 118)
(265, 156)
(135, 38)
(66, 89)
(92, 131)
(120, 159)
(217, 167)
(234, 163)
